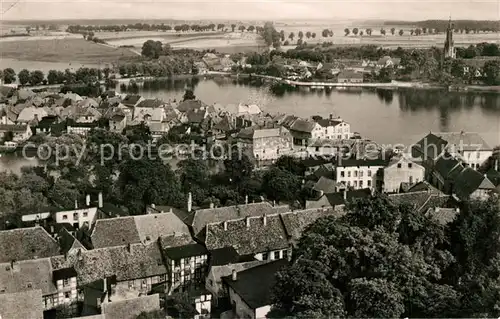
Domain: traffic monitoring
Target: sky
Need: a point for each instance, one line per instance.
(247, 10)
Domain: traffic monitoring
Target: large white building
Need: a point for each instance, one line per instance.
(360, 173)
(334, 128)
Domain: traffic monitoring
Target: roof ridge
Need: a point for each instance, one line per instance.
(425, 203)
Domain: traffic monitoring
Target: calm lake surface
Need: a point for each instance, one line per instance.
(385, 116)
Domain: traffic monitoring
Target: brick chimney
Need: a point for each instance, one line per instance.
(76, 204)
(264, 219)
(99, 204)
(246, 199)
(225, 225)
(234, 275)
(247, 222)
(87, 200)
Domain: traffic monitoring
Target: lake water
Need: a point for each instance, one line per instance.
(45, 67)
(387, 117)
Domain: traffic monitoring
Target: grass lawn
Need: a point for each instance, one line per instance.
(63, 50)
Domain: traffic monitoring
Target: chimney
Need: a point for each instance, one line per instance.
(331, 116)
(189, 202)
(105, 285)
(264, 219)
(246, 199)
(496, 165)
(99, 200)
(212, 205)
(129, 247)
(274, 203)
(436, 210)
(234, 275)
(76, 204)
(51, 229)
(457, 210)
(247, 222)
(170, 210)
(153, 206)
(345, 194)
(14, 265)
(87, 200)
(225, 225)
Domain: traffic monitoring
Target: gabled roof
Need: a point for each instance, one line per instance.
(27, 275)
(21, 305)
(424, 186)
(131, 308)
(469, 181)
(421, 201)
(129, 262)
(467, 141)
(136, 229)
(301, 125)
(325, 185)
(443, 215)
(430, 147)
(131, 100)
(203, 217)
(26, 243)
(67, 241)
(350, 74)
(295, 222)
(254, 285)
(256, 238)
(151, 103)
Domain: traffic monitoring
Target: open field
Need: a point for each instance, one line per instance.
(63, 50)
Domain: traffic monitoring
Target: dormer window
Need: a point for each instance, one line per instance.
(399, 165)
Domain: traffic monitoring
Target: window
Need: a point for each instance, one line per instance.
(285, 254)
(410, 165)
(342, 174)
(29, 285)
(65, 282)
(65, 217)
(317, 148)
(399, 165)
(355, 173)
(75, 216)
(85, 214)
(355, 183)
(411, 179)
(349, 174)
(360, 184)
(369, 183)
(67, 295)
(478, 155)
(264, 256)
(276, 255)
(369, 173)
(177, 263)
(177, 277)
(360, 173)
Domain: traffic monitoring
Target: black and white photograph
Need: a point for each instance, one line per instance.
(281, 159)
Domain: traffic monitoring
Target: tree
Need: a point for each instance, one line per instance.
(299, 42)
(393, 30)
(152, 49)
(52, 77)
(286, 43)
(281, 185)
(401, 32)
(238, 166)
(301, 34)
(369, 31)
(313, 35)
(361, 33)
(233, 26)
(291, 36)
(325, 33)
(242, 28)
(211, 26)
(24, 76)
(36, 77)
(355, 31)
(308, 34)
(251, 28)
(382, 31)
(375, 298)
(188, 95)
(347, 31)
(9, 75)
(492, 72)
(220, 26)
(179, 305)
(424, 30)
(412, 31)
(194, 177)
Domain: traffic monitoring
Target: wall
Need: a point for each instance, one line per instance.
(79, 218)
(78, 130)
(262, 312)
(188, 271)
(273, 147)
(241, 308)
(394, 175)
(282, 253)
(341, 131)
(358, 177)
(475, 159)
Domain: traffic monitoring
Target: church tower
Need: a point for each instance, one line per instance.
(449, 45)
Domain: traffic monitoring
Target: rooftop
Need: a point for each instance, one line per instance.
(131, 308)
(27, 243)
(254, 285)
(21, 305)
(27, 275)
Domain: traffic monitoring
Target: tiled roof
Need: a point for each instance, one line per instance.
(13, 128)
(22, 305)
(188, 105)
(128, 262)
(350, 74)
(131, 308)
(136, 229)
(219, 271)
(196, 115)
(424, 186)
(64, 273)
(151, 103)
(26, 243)
(131, 100)
(67, 241)
(325, 185)
(203, 217)
(301, 125)
(31, 113)
(254, 285)
(27, 275)
(422, 200)
(248, 240)
(329, 122)
(467, 141)
(115, 232)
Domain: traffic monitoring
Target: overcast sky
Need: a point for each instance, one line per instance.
(245, 10)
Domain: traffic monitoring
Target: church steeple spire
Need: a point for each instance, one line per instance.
(449, 45)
